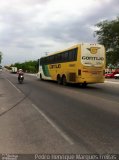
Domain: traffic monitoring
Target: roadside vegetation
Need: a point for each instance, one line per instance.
(108, 35)
(29, 66)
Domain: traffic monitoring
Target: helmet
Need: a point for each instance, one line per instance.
(20, 70)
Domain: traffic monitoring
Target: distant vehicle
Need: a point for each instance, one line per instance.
(110, 75)
(116, 76)
(82, 63)
(14, 69)
(21, 78)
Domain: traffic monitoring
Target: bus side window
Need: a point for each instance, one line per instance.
(58, 58)
(62, 57)
(46, 60)
(70, 55)
(52, 59)
(66, 56)
(55, 58)
(49, 60)
(41, 61)
(75, 54)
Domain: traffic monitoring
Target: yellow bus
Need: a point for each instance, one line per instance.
(83, 63)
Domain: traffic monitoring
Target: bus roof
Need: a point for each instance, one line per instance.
(74, 46)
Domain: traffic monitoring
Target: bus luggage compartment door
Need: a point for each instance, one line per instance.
(72, 77)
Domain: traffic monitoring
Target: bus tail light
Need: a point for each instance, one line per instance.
(79, 72)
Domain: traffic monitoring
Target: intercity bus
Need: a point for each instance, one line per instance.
(82, 63)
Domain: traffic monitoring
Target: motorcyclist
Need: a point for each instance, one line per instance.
(20, 72)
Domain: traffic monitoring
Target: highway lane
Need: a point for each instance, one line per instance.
(89, 117)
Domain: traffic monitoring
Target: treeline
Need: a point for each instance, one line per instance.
(108, 35)
(29, 66)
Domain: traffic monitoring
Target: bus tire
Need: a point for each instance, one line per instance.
(84, 84)
(64, 80)
(59, 81)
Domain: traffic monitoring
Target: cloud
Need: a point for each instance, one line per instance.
(30, 28)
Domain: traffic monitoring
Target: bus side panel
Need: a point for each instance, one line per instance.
(69, 69)
(44, 72)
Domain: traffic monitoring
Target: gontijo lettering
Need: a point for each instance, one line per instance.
(92, 58)
(54, 66)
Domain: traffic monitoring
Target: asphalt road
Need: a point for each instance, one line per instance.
(43, 117)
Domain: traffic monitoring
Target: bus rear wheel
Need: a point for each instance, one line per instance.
(59, 81)
(64, 80)
(84, 84)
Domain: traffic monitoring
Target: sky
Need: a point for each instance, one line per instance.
(30, 29)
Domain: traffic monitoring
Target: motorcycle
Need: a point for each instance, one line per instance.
(20, 78)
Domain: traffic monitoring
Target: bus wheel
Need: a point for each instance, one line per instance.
(59, 79)
(64, 80)
(84, 84)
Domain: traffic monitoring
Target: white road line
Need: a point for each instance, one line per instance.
(112, 82)
(66, 137)
(13, 85)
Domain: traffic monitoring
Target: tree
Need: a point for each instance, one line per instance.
(29, 66)
(0, 57)
(108, 35)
